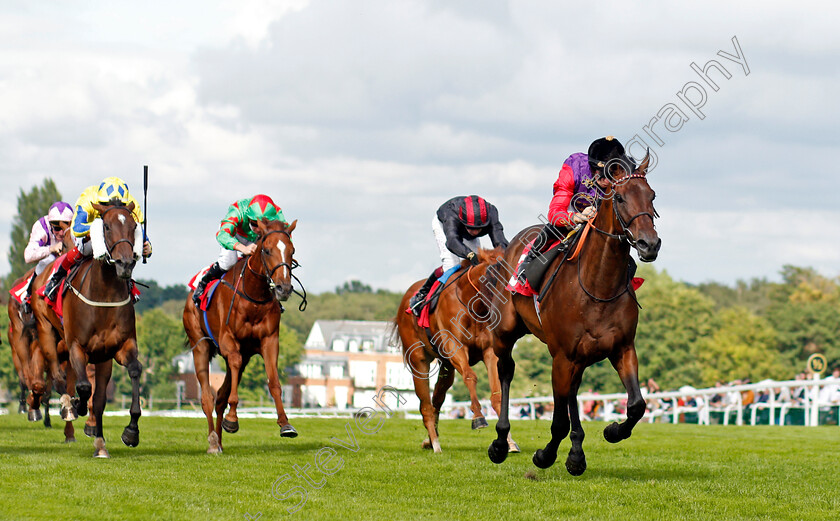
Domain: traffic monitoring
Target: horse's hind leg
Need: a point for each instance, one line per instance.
(102, 376)
(269, 350)
(563, 375)
(499, 448)
(78, 361)
(201, 358)
(69, 430)
(445, 378)
(627, 366)
(127, 357)
(90, 423)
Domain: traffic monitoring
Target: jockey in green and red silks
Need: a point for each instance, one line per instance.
(237, 235)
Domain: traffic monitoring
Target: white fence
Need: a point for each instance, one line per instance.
(672, 406)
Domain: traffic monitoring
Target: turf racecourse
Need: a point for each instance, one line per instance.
(662, 472)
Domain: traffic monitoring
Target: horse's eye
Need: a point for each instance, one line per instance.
(266, 251)
(106, 227)
(618, 198)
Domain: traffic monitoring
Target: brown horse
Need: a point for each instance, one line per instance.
(459, 338)
(588, 314)
(244, 320)
(99, 324)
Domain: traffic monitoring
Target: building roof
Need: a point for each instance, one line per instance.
(324, 332)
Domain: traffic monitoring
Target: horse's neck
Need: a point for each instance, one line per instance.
(604, 260)
(253, 282)
(103, 276)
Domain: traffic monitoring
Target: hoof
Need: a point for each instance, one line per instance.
(80, 406)
(214, 447)
(232, 426)
(479, 423)
(613, 433)
(47, 422)
(286, 431)
(576, 466)
(513, 447)
(71, 439)
(35, 415)
(427, 444)
(68, 412)
(99, 450)
(90, 431)
(436, 447)
(498, 451)
(131, 437)
(22, 408)
(543, 459)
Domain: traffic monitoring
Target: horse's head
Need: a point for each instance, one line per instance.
(276, 253)
(490, 256)
(121, 234)
(632, 202)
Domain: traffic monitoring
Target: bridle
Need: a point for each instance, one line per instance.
(268, 273)
(625, 234)
(110, 249)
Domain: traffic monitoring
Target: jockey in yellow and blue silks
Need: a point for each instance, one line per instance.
(110, 191)
(237, 235)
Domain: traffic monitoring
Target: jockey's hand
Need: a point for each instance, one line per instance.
(57, 248)
(246, 249)
(585, 215)
(473, 258)
(147, 249)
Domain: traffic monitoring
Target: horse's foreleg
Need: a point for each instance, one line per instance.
(491, 362)
(499, 448)
(461, 362)
(563, 376)
(40, 386)
(90, 423)
(627, 366)
(576, 462)
(102, 375)
(221, 404)
(127, 357)
(78, 361)
(269, 350)
(237, 364)
(201, 358)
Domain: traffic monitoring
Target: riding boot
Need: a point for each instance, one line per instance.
(55, 281)
(213, 273)
(26, 307)
(416, 302)
(547, 236)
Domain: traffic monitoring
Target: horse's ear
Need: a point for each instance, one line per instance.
(100, 209)
(261, 224)
(292, 226)
(130, 207)
(642, 170)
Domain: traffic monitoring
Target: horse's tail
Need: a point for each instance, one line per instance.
(393, 332)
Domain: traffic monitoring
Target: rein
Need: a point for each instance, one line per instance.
(110, 249)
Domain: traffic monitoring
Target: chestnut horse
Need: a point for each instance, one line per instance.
(244, 320)
(588, 314)
(458, 337)
(99, 323)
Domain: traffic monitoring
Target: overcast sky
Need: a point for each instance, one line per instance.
(361, 117)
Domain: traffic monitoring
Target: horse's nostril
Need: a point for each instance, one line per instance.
(642, 244)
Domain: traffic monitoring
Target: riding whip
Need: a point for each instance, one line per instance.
(145, 211)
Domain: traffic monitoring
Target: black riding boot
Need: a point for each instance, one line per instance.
(416, 302)
(213, 273)
(55, 281)
(26, 307)
(548, 235)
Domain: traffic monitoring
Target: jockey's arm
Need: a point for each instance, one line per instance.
(454, 242)
(497, 231)
(34, 252)
(559, 212)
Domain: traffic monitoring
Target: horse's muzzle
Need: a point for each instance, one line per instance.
(124, 269)
(648, 251)
(282, 292)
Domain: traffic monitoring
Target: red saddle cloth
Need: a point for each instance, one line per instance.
(208, 291)
(19, 289)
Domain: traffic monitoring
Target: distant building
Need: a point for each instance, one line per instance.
(344, 363)
(185, 369)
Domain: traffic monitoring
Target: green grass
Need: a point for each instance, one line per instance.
(663, 472)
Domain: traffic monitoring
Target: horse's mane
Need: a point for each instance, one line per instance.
(114, 202)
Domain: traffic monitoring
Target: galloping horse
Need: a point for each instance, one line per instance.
(243, 319)
(589, 313)
(458, 337)
(99, 321)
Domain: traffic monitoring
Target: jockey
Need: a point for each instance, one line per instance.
(46, 242)
(457, 226)
(237, 235)
(575, 191)
(110, 191)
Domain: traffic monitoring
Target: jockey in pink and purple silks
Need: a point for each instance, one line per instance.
(46, 242)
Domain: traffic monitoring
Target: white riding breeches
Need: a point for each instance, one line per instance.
(447, 258)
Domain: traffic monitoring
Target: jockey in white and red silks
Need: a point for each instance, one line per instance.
(46, 242)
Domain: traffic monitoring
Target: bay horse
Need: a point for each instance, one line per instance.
(589, 313)
(244, 320)
(98, 323)
(458, 337)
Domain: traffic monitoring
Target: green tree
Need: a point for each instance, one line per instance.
(31, 206)
(742, 345)
(8, 375)
(353, 286)
(155, 296)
